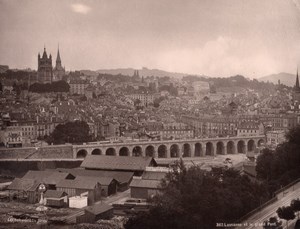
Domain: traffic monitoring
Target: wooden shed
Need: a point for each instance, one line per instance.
(55, 198)
(95, 213)
(24, 189)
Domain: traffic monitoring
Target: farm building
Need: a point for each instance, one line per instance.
(81, 185)
(55, 198)
(116, 163)
(95, 213)
(24, 189)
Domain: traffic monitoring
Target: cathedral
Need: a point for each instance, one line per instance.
(46, 73)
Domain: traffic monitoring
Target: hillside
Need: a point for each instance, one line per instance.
(285, 78)
(130, 71)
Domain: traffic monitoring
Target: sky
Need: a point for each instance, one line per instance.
(218, 38)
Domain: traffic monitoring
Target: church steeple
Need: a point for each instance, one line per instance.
(58, 60)
(45, 53)
(297, 81)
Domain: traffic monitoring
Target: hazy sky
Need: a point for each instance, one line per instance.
(211, 37)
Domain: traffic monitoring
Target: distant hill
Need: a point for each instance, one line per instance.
(285, 78)
(129, 71)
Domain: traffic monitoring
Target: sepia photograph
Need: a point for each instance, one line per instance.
(149, 114)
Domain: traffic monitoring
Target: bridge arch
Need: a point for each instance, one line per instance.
(209, 149)
(174, 150)
(251, 145)
(198, 150)
(230, 148)
(187, 152)
(162, 151)
(137, 151)
(150, 151)
(220, 148)
(241, 146)
(96, 152)
(124, 151)
(111, 151)
(81, 153)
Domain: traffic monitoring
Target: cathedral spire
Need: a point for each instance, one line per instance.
(297, 81)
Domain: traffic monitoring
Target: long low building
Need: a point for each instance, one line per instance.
(131, 164)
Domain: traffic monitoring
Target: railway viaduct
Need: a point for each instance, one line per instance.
(172, 148)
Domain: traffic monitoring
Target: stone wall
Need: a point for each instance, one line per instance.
(51, 152)
(19, 168)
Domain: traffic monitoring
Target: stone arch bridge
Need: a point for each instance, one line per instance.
(172, 148)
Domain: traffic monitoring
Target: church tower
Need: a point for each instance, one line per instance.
(296, 91)
(58, 71)
(44, 73)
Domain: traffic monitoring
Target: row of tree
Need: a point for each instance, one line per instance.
(194, 198)
(58, 86)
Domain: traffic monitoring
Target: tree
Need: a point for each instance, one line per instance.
(295, 204)
(192, 197)
(272, 223)
(286, 213)
(264, 164)
(72, 132)
(1, 87)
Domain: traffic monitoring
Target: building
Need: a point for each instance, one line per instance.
(123, 178)
(24, 189)
(275, 137)
(78, 86)
(12, 136)
(45, 71)
(81, 186)
(58, 71)
(116, 163)
(148, 185)
(247, 129)
(145, 99)
(55, 198)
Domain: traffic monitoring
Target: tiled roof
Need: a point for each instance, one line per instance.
(117, 163)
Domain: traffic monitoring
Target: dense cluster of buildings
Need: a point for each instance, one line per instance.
(139, 107)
